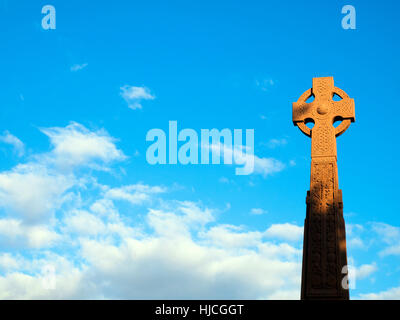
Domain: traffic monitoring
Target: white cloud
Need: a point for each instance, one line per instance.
(103, 207)
(158, 268)
(273, 143)
(75, 145)
(285, 231)
(7, 261)
(356, 242)
(17, 144)
(390, 294)
(169, 249)
(135, 194)
(365, 271)
(239, 155)
(391, 250)
(282, 251)
(179, 250)
(32, 192)
(267, 166)
(32, 284)
(134, 95)
(257, 211)
(78, 67)
(389, 234)
(83, 223)
(230, 236)
(179, 221)
(35, 190)
(13, 233)
(354, 236)
(224, 180)
(157, 265)
(265, 84)
(177, 244)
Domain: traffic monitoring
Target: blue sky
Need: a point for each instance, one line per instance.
(78, 198)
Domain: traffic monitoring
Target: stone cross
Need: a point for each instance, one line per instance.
(324, 247)
(323, 112)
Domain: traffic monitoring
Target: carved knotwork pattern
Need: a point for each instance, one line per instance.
(323, 90)
(323, 224)
(322, 141)
(324, 238)
(323, 111)
(344, 108)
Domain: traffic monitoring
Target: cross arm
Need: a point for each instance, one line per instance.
(344, 109)
(301, 111)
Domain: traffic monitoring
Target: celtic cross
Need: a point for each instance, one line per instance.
(323, 112)
(324, 247)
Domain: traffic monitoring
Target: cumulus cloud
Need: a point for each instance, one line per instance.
(181, 247)
(75, 145)
(7, 261)
(102, 242)
(365, 271)
(77, 228)
(83, 223)
(178, 219)
(18, 145)
(134, 95)
(230, 236)
(180, 268)
(13, 233)
(33, 192)
(32, 282)
(285, 231)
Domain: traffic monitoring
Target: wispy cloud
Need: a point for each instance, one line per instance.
(134, 95)
(390, 294)
(265, 84)
(252, 164)
(18, 145)
(78, 67)
(365, 271)
(135, 194)
(258, 211)
(273, 143)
